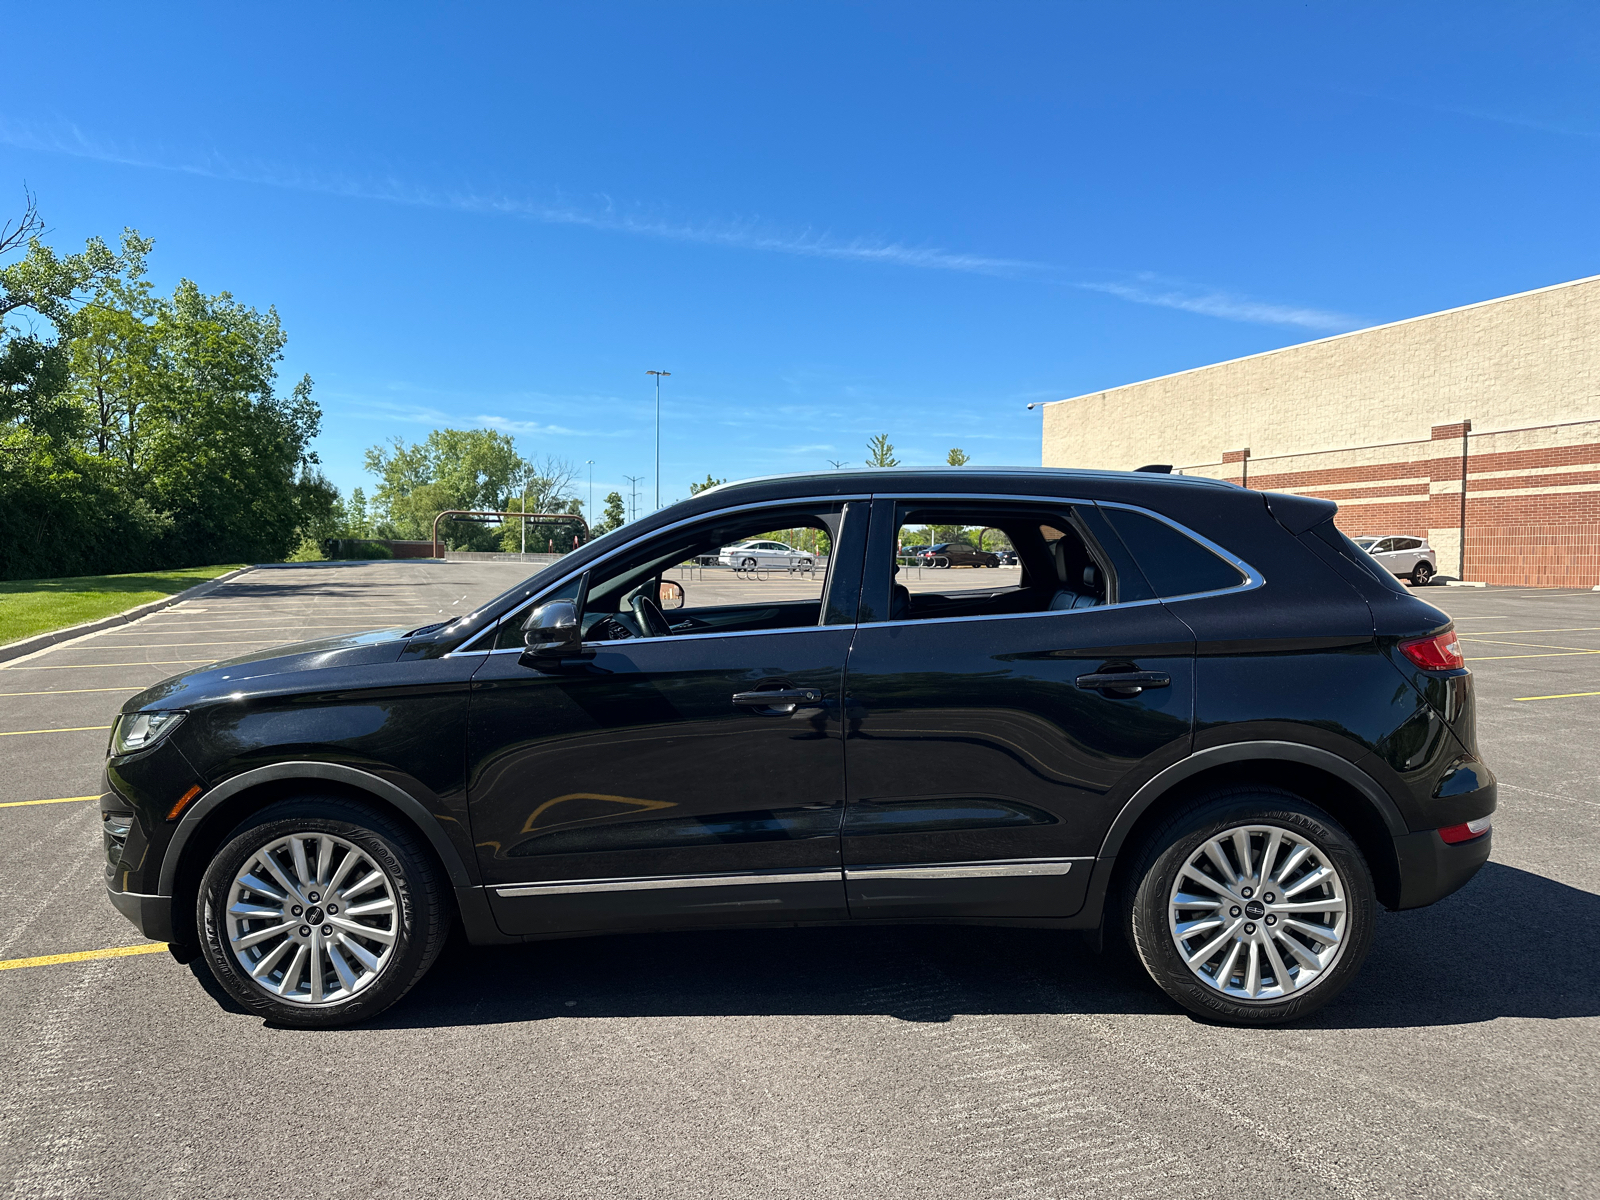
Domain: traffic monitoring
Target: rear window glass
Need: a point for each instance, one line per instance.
(1350, 551)
(1174, 563)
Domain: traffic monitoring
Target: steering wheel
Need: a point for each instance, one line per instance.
(650, 618)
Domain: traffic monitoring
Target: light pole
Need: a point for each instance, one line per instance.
(591, 491)
(524, 510)
(633, 498)
(658, 375)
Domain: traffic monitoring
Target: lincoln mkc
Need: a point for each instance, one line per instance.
(1198, 721)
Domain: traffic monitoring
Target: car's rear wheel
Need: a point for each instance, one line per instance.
(320, 912)
(1421, 573)
(1253, 908)
(748, 564)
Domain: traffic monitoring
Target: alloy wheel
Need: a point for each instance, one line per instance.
(312, 919)
(1258, 912)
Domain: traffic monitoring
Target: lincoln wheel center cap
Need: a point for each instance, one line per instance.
(1255, 910)
(314, 915)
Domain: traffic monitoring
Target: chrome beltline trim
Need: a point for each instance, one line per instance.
(648, 883)
(1005, 868)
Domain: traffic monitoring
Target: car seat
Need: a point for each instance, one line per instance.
(1077, 577)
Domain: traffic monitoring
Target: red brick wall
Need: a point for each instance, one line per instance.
(1542, 536)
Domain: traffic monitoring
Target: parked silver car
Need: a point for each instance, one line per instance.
(1408, 557)
(747, 556)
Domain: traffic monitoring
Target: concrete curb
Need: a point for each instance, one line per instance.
(43, 641)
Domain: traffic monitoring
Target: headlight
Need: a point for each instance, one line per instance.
(141, 730)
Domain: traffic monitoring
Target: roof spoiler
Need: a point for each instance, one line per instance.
(1156, 468)
(1298, 513)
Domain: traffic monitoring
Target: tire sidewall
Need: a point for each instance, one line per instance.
(419, 920)
(1146, 908)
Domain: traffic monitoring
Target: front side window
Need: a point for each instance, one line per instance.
(686, 581)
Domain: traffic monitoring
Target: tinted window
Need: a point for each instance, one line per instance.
(1174, 563)
(1329, 532)
(1406, 543)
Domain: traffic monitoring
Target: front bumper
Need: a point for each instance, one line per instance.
(1430, 868)
(151, 915)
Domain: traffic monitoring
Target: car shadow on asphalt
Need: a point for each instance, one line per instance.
(1510, 944)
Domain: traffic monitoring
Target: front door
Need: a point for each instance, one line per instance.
(652, 785)
(989, 720)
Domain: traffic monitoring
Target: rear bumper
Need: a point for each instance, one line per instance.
(151, 915)
(1430, 869)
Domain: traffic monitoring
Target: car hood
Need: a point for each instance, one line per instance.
(230, 675)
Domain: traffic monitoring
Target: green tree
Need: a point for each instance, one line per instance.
(696, 488)
(614, 517)
(958, 458)
(880, 452)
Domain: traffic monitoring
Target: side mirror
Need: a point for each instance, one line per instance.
(671, 593)
(551, 633)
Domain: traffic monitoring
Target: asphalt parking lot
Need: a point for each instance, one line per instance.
(951, 1062)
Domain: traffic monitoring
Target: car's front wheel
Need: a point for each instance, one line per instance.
(1254, 908)
(320, 912)
(1421, 573)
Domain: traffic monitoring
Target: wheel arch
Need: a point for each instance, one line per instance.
(222, 808)
(1343, 789)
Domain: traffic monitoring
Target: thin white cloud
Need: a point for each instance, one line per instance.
(70, 140)
(1229, 307)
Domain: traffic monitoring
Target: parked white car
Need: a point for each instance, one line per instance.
(1408, 557)
(747, 556)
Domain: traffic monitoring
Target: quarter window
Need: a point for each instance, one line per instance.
(1173, 562)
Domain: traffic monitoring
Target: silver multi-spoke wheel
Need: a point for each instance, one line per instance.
(312, 918)
(1258, 912)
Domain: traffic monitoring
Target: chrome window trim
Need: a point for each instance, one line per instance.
(998, 868)
(651, 883)
(626, 546)
(1252, 578)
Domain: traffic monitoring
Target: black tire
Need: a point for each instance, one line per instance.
(419, 924)
(748, 564)
(1171, 848)
(1421, 574)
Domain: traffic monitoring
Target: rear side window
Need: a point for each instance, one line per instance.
(1348, 550)
(1174, 563)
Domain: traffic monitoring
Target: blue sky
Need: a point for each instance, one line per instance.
(828, 221)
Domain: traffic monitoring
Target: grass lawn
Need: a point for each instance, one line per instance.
(30, 606)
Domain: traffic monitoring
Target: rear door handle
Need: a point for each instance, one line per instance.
(1129, 683)
(781, 698)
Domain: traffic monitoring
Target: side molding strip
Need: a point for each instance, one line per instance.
(650, 883)
(1005, 868)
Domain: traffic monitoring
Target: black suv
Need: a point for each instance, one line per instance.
(1200, 720)
(956, 554)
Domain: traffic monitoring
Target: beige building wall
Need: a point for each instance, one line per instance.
(1523, 360)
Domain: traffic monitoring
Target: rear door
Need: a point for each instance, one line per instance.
(986, 731)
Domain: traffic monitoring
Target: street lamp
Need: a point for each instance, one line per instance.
(658, 375)
(591, 490)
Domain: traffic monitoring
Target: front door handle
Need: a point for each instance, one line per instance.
(783, 700)
(1126, 683)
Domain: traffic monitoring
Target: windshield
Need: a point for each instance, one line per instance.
(1365, 543)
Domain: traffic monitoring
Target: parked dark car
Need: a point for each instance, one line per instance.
(956, 554)
(1199, 721)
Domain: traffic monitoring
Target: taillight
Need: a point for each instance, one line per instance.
(1438, 653)
(1454, 834)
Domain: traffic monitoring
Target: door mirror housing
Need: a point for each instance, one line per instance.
(552, 632)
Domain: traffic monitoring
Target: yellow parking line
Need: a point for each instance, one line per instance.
(1527, 645)
(70, 692)
(1562, 696)
(71, 729)
(62, 800)
(50, 960)
(159, 662)
(1557, 654)
(1480, 633)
